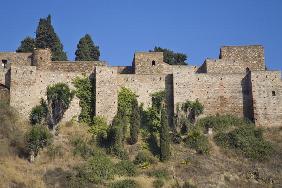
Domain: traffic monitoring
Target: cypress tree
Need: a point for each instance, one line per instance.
(164, 137)
(27, 45)
(134, 122)
(47, 38)
(86, 50)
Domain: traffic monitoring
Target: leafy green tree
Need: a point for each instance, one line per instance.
(27, 45)
(164, 137)
(59, 97)
(47, 38)
(171, 57)
(39, 113)
(37, 138)
(192, 109)
(134, 122)
(85, 91)
(86, 50)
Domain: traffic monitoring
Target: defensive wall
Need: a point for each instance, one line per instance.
(236, 83)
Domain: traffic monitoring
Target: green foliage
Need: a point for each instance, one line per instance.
(47, 38)
(85, 91)
(38, 113)
(82, 147)
(158, 98)
(125, 99)
(59, 97)
(99, 127)
(151, 120)
(193, 109)
(171, 57)
(125, 168)
(98, 169)
(37, 138)
(144, 158)
(27, 45)
(124, 184)
(247, 140)
(196, 140)
(221, 123)
(134, 122)
(159, 173)
(164, 137)
(158, 183)
(86, 50)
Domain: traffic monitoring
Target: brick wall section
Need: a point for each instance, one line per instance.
(221, 94)
(252, 56)
(221, 66)
(106, 91)
(143, 63)
(267, 97)
(16, 58)
(28, 86)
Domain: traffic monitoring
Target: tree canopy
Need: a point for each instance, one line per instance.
(27, 45)
(46, 37)
(171, 57)
(86, 50)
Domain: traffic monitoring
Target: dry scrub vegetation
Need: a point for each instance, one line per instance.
(63, 163)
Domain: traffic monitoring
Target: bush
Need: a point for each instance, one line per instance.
(124, 184)
(221, 123)
(196, 140)
(159, 173)
(38, 138)
(247, 140)
(81, 147)
(158, 183)
(96, 170)
(99, 126)
(38, 113)
(125, 168)
(144, 157)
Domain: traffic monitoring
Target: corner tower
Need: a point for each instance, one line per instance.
(41, 57)
(148, 62)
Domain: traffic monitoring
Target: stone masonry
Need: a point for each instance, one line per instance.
(236, 83)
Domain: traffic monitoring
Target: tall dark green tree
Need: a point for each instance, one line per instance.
(27, 45)
(134, 122)
(47, 38)
(164, 137)
(171, 57)
(86, 50)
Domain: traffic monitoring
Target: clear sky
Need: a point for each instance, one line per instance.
(121, 27)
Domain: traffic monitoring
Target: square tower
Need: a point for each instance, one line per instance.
(148, 63)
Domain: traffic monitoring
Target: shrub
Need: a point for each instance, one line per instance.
(164, 137)
(38, 113)
(37, 138)
(99, 126)
(97, 169)
(134, 122)
(125, 168)
(196, 140)
(85, 91)
(59, 97)
(124, 184)
(247, 140)
(221, 123)
(159, 173)
(81, 147)
(158, 183)
(144, 157)
(125, 99)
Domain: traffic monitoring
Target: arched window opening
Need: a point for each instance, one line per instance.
(153, 63)
(273, 93)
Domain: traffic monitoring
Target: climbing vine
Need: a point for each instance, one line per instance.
(85, 91)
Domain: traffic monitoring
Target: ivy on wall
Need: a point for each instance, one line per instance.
(85, 91)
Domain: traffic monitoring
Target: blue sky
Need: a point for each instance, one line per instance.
(197, 28)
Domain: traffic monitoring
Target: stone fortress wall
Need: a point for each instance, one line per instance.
(236, 83)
